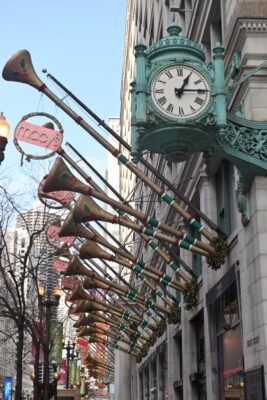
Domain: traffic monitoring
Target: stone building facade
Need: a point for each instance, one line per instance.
(220, 347)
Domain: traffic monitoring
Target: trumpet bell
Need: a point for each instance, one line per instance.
(86, 209)
(19, 68)
(63, 251)
(91, 283)
(80, 322)
(78, 293)
(61, 178)
(70, 228)
(90, 249)
(75, 267)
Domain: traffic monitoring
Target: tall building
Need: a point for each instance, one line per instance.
(36, 221)
(219, 347)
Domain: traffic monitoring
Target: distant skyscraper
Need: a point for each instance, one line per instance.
(29, 223)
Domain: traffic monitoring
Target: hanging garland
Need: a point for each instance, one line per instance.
(191, 294)
(217, 259)
(175, 315)
(160, 329)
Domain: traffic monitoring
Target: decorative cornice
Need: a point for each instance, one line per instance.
(242, 28)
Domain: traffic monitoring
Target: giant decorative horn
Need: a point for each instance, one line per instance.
(86, 306)
(19, 68)
(70, 228)
(61, 178)
(94, 317)
(90, 249)
(92, 283)
(81, 321)
(86, 209)
(78, 293)
(63, 251)
(75, 267)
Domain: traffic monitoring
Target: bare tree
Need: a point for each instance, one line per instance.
(25, 265)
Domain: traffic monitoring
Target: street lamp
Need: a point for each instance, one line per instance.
(56, 377)
(48, 303)
(70, 350)
(4, 133)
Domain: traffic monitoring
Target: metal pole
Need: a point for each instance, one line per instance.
(48, 306)
(68, 364)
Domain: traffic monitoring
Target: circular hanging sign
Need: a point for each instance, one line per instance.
(63, 197)
(43, 136)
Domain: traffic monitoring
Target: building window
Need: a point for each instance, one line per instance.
(146, 384)
(225, 197)
(153, 389)
(200, 378)
(162, 374)
(141, 383)
(229, 344)
(178, 383)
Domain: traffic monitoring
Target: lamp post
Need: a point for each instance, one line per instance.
(4, 133)
(56, 377)
(70, 354)
(48, 302)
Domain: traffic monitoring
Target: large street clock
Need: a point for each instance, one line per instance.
(180, 91)
(171, 96)
(179, 107)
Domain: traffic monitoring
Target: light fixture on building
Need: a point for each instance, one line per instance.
(4, 133)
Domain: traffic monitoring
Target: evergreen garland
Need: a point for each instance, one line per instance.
(191, 294)
(217, 259)
(175, 316)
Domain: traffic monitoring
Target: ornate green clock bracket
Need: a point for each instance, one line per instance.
(179, 107)
(244, 143)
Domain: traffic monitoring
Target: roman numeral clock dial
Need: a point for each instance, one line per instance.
(180, 92)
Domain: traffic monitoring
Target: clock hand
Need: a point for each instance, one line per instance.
(179, 91)
(196, 90)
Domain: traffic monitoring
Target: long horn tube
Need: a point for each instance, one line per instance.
(95, 330)
(150, 285)
(90, 249)
(120, 325)
(102, 123)
(61, 178)
(75, 261)
(95, 339)
(69, 228)
(79, 294)
(14, 71)
(56, 180)
(86, 209)
(79, 270)
(88, 306)
(167, 258)
(94, 282)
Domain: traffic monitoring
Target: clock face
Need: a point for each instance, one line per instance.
(180, 92)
